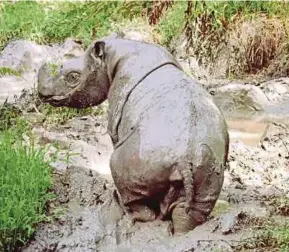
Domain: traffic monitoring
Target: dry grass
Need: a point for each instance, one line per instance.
(238, 39)
(255, 44)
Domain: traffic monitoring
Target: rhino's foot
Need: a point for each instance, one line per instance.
(142, 213)
(185, 220)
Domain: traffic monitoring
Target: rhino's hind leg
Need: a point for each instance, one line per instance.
(208, 180)
(184, 221)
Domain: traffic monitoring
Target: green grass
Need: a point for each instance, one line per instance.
(10, 118)
(8, 71)
(172, 23)
(52, 22)
(272, 236)
(61, 115)
(279, 237)
(25, 178)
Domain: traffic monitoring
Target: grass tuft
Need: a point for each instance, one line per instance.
(60, 115)
(9, 71)
(25, 178)
(272, 236)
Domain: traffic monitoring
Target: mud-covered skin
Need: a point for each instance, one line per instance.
(170, 139)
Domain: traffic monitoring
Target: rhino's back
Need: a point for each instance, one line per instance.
(173, 115)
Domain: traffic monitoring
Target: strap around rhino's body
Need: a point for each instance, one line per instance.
(118, 113)
(134, 69)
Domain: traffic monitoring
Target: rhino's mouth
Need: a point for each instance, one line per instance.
(59, 99)
(54, 100)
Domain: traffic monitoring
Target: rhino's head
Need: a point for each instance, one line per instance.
(79, 83)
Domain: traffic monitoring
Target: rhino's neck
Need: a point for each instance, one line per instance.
(129, 62)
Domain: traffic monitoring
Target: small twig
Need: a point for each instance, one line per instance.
(37, 111)
(57, 172)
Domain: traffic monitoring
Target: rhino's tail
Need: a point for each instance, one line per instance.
(182, 172)
(187, 172)
(205, 161)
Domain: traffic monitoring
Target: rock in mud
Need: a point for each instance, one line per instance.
(276, 136)
(234, 97)
(86, 140)
(241, 215)
(276, 90)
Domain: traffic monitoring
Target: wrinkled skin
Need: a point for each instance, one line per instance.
(170, 139)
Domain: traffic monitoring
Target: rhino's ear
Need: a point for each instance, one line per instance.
(99, 48)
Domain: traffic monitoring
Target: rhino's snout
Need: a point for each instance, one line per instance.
(45, 82)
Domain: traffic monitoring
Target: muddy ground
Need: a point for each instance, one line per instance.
(86, 215)
(92, 221)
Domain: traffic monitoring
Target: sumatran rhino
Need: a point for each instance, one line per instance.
(170, 139)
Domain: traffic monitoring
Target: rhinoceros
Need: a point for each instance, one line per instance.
(170, 139)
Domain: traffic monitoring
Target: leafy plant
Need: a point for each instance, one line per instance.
(8, 71)
(60, 115)
(172, 22)
(10, 118)
(25, 178)
(273, 236)
(53, 69)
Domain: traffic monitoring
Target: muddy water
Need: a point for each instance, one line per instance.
(247, 131)
(250, 130)
(249, 127)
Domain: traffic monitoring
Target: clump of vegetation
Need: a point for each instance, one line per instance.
(61, 115)
(171, 23)
(156, 10)
(254, 44)
(25, 179)
(272, 236)
(279, 204)
(10, 118)
(51, 22)
(53, 69)
(250, 34)
(8, 71)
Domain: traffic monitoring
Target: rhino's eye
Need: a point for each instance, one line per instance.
(73, 78)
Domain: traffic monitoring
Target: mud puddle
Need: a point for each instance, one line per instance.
(250, 128)
(247, 131)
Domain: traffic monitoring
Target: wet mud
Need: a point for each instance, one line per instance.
(91, 219)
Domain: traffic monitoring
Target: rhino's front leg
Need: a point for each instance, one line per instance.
(122, 162)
